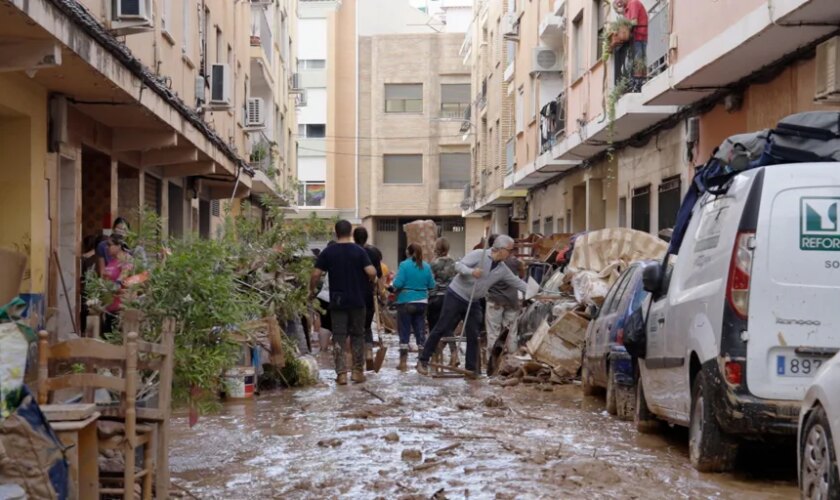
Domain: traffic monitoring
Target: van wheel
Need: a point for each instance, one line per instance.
(586, 378)
(646, 422)
(818, 476)
(710, 449)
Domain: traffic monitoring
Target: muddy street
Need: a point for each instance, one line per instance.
(446, 437)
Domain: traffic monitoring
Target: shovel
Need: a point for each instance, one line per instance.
(379, 357)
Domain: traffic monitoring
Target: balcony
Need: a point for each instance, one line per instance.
(481, 97)
(659, 38)
(552, 27)
(749, 42)
(261, 35)
(262, 160)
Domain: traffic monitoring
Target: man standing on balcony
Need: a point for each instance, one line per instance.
(636, 13)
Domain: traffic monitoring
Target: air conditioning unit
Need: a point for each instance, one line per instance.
(294, 81)
(547, 60)
(256, 113)
(519, 212)
(131, 16)
(300, 99)
(220, 83)
(510, 25)
(828, 71)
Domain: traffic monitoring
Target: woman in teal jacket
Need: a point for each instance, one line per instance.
(413, 282)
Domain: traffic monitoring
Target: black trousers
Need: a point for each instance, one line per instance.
(453, 311)
(369, 310)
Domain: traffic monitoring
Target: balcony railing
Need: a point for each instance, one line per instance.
(658, 39)
(481, 98)
(552, 123)
(510, 156)
(262, 157)
(261, 32)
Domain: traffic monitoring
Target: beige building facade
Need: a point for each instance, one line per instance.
(589, 156)
(110, 106)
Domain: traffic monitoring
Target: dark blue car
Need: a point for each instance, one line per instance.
(606, 363)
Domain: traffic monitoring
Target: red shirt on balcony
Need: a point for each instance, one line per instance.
(636, 12)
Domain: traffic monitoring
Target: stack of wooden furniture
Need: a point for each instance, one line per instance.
(121, 425)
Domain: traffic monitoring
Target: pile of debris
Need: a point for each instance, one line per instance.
(552, 329)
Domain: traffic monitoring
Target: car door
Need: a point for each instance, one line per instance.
(655, 378)
(598, 343)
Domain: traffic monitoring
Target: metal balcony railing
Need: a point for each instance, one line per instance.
(658, 38)
(261, 32)
(261, 154)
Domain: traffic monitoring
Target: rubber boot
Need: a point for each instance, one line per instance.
(369, 357)
(341, 379)
(403, 360)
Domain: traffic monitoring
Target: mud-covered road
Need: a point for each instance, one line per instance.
(449, 437)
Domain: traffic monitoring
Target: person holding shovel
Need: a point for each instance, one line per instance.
(413, 282)
(477, 272)
(350, 274)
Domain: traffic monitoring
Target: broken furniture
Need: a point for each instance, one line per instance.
(75, 426)
(88, 364)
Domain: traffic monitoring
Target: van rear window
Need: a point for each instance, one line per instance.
(712, 216)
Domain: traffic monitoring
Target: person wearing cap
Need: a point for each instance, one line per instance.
(503, 305)
(477, 272)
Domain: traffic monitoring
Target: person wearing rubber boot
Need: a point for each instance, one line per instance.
(412, 284)
(477, 272)
(350, 273)
(443, 269)
(360, 236)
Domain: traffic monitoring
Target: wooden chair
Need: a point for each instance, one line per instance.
(95, 352)
(136, 426)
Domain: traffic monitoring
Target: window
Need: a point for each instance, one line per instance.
(640, 211)
(312, 194)
(577, 34)
(402, 169)
(520, 111)
(548, 225)
(568, 221)
(386, 225)
(535, 226)
(510, 156)
(304, 64)
(622, 212)
(166, 20)
(599, 28)
(454, 170)
(312, 130)
(220, 43)
(533, 103)
(669, 202)
(404, 98)
(454, 100)
(186, 36)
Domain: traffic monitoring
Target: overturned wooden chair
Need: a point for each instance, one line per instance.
(128, 426)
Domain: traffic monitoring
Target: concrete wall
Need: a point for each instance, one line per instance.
(23, 175)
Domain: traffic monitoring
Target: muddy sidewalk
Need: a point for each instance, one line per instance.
(446, 437)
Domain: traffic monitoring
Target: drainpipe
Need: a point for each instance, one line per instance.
(356, 156)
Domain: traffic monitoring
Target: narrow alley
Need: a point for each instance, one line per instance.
(446, 438)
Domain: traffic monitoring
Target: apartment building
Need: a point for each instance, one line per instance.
(109, 106)
(592, 155)
(413, 159)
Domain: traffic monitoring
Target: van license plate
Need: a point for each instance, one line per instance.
(795, 366)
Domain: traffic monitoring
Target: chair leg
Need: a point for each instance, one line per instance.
(149, 467)
(128, 475)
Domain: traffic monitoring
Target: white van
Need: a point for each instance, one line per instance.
(741, 320)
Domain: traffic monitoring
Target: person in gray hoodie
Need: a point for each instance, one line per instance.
(477, 272)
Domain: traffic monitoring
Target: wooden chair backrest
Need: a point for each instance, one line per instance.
(158, 357)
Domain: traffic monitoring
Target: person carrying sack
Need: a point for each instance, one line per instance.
(413, 282)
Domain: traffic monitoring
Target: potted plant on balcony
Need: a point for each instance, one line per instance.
(617, 33)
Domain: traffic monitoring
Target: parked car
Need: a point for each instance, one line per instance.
(741, 320)
(819, 435)
(606, 363)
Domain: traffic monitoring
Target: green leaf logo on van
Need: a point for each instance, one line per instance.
(819, 228)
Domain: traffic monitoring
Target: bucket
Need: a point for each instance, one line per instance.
(239, 382)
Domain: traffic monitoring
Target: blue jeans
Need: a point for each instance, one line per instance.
(454, 310)
(412, 317)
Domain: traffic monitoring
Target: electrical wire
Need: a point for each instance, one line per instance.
(353, 138)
